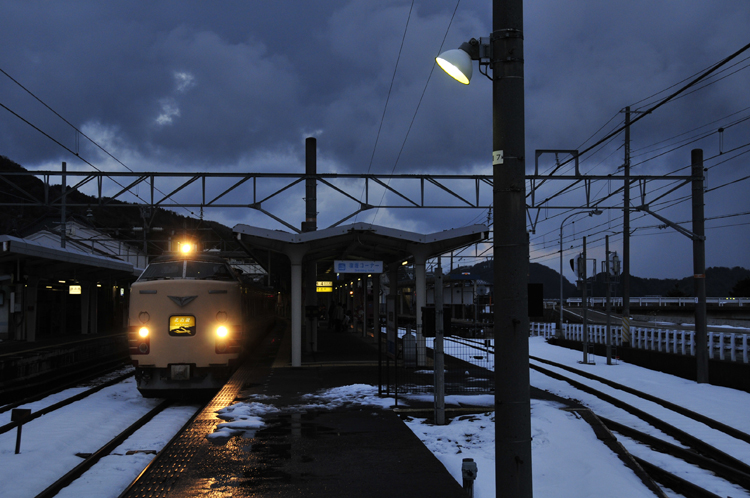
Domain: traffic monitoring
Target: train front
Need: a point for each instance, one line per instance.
(185, 325)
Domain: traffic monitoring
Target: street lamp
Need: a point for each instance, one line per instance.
(594, 212)
(503, 53)
(457, 62)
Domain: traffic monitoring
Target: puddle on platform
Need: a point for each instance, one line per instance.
(295, 425)
(272, 449)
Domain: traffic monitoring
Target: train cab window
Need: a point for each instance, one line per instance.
(162, 271)
(208, 271)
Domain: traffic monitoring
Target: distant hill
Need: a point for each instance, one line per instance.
(118, 219)
(538, 274)
(719, 282)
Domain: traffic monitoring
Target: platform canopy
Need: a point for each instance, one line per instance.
(359, 241)
(54, 262)
(317, 251)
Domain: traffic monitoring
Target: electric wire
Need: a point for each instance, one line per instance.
(644, 149)
(387, 100)
(390, 88)
(702, 76)
(416, 110)
(715, 80)
(61, 145)
(79, 132)
(64, 120)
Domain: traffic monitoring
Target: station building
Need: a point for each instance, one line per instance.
(55, 284)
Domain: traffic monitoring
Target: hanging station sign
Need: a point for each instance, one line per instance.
(353, 266)
(323, 286)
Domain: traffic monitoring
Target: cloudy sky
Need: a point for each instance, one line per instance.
(237, 86)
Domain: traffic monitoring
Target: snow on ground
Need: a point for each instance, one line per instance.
(50, 443)
(116, 471)
(567, 459)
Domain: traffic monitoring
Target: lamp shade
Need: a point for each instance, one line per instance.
(456, 63)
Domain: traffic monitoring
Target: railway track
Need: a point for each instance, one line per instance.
(91, 459)
(83, 412)
(60, 404)
(721, 451)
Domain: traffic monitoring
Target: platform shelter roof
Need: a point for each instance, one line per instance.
(54, 262)
(360, 241)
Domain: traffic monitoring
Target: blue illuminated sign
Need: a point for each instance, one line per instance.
(351, 266)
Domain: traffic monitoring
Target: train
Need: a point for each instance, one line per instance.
(191, 319)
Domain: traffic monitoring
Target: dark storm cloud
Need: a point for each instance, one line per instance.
(237, 85)
(192, 82)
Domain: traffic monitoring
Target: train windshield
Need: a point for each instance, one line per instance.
(208, 271)
(198, 270)
(162, 271)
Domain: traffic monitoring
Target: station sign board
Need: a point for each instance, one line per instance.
(353, 266)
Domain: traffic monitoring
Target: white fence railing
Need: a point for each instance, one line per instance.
(653, 301)
(728, 346)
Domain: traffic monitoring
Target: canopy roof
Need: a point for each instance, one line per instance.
(53, 263)
(359, 241)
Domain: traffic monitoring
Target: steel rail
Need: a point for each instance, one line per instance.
(680, 435)
(62, 387)
(728, 430)
(726, 472)
(105, 450)
(65, 402)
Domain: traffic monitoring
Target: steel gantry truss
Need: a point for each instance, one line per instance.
(256, 191)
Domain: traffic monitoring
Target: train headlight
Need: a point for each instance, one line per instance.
(143, 332)
(222, 332)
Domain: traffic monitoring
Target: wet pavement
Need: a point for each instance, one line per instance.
(304, 450)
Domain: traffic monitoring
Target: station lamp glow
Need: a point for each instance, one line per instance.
(457, 62)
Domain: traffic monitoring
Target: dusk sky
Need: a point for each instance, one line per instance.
(237, 86)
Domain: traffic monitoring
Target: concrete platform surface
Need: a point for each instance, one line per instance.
(305, 451)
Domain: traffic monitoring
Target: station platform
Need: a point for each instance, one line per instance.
(304, 449)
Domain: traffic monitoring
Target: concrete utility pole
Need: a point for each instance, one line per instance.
(63, 188)
(607, 270)
(626, 236)
(310, 225)
(585, 302)
(439, 349)
(511, 254)
(699, 267)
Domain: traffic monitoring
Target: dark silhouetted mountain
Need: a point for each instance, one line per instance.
(117, 218)
(719, 282)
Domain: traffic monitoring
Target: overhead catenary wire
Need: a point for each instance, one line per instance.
(78, 132)
(416, 110)
(705, 74)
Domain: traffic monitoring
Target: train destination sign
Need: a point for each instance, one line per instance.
(353, 266)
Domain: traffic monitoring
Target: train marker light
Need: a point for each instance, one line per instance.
(143, 332)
